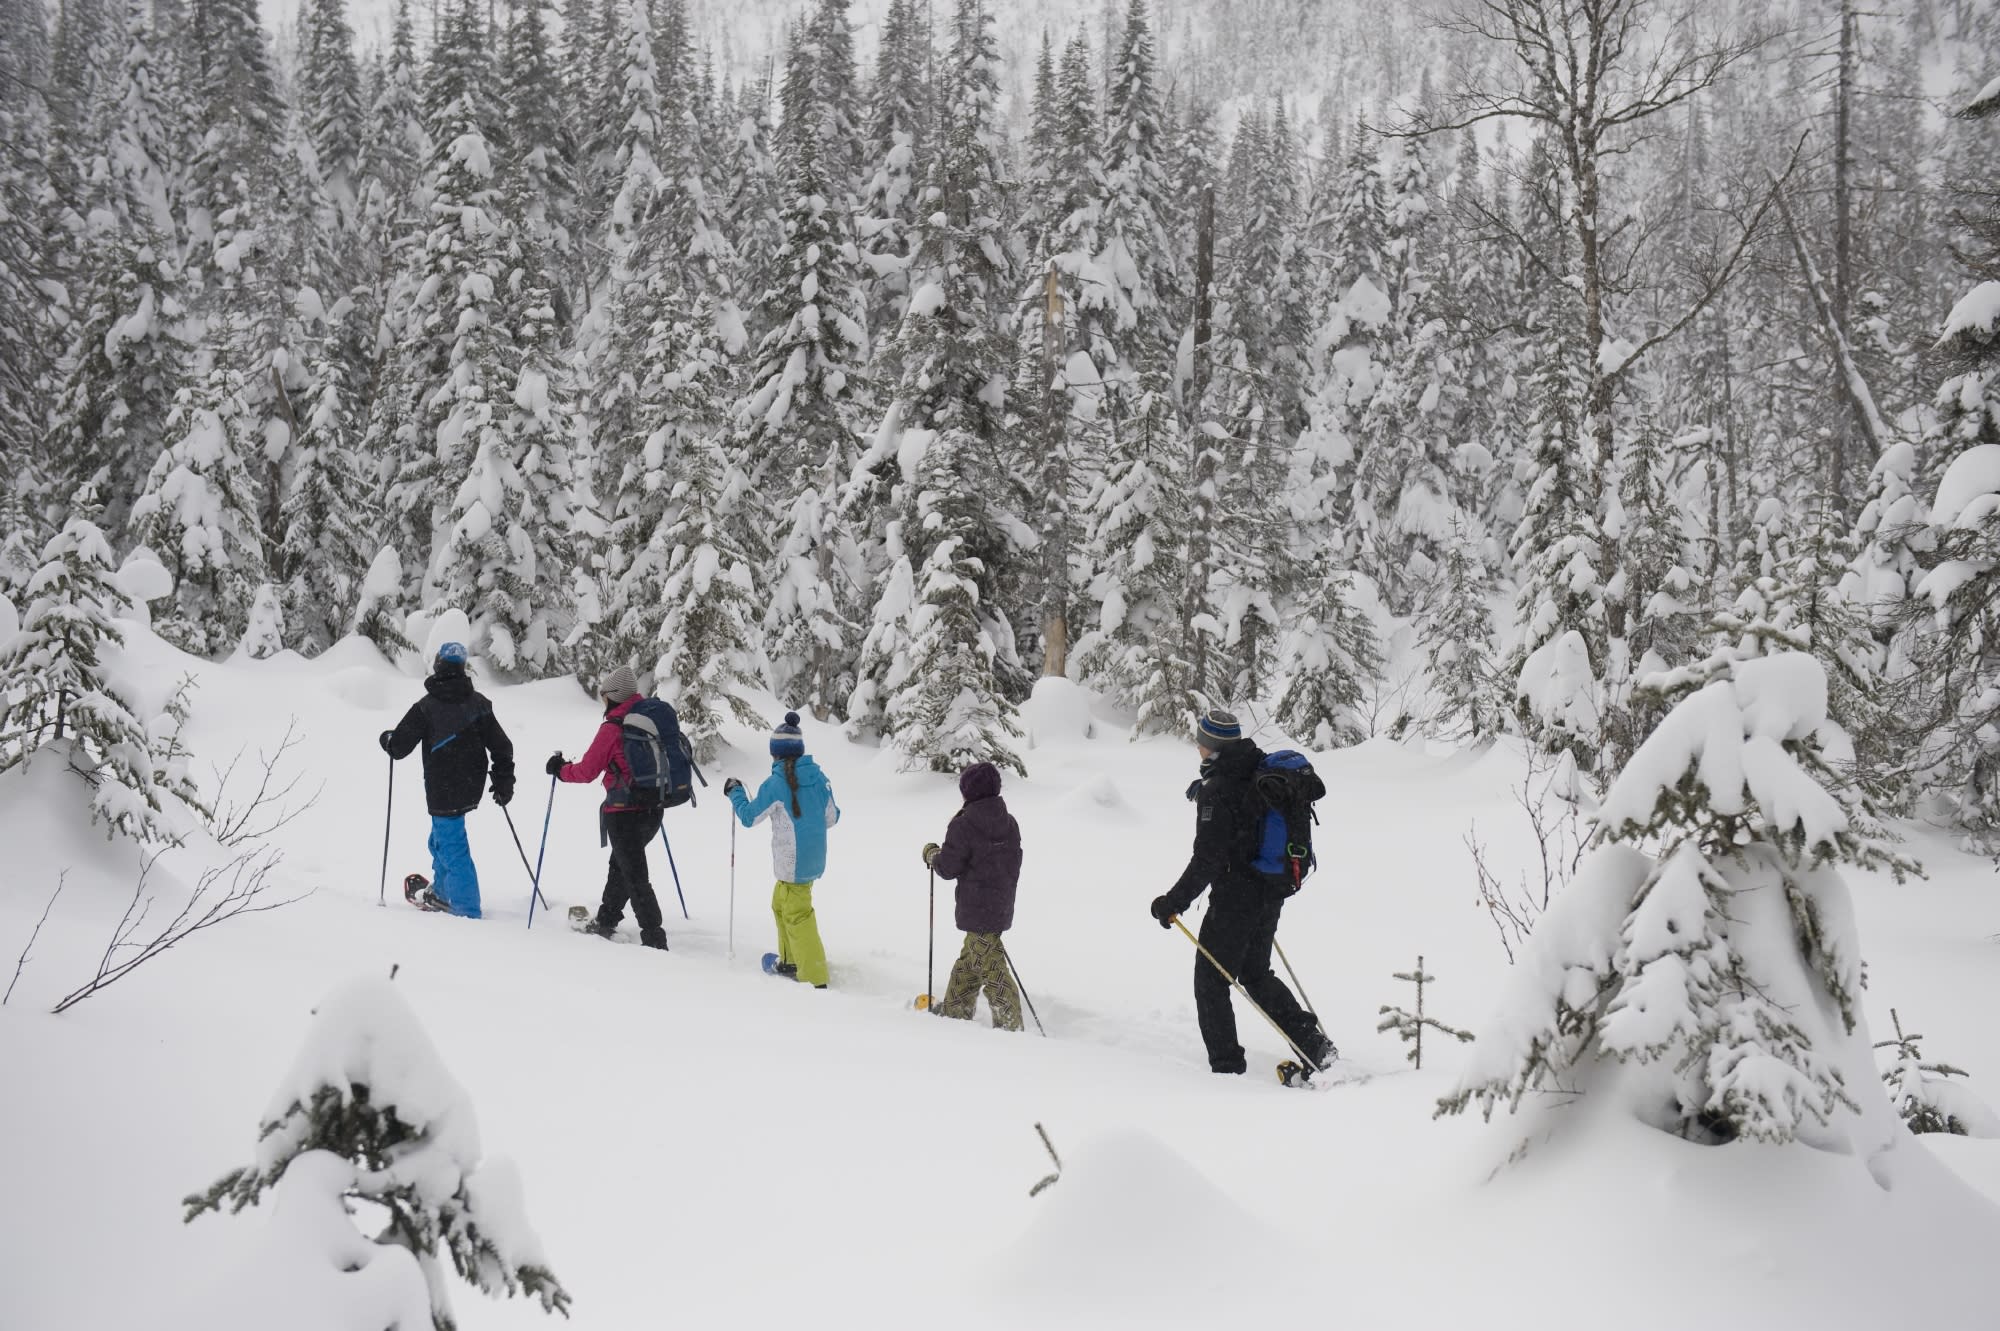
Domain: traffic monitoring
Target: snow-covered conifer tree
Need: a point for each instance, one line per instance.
(57, 690)
(899, 125)
(1459, 651)
(796, 436)
(329, 96)
(1331, 656)
(952, 364)
(538, 175)
(685, 594)
(329, 512)
(1559, 658)
(200, 513)
(1656, 592)
(1703, 971)
(369, 1114)
(123, 361)
(1138, 260)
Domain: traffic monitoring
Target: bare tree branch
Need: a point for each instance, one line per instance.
(22, 960)
(1716, 284)
(243, 884)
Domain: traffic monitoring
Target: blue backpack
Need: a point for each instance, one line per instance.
(658, 757)
(1288, 788)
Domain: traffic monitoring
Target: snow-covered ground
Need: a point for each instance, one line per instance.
(702, 1145)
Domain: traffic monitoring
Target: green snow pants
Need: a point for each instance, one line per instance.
(798, 931)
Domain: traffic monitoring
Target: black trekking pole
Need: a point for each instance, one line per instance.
(675, 868)
(930, 954)
(544, 850)
(732, 884)
(382, 896)
(534, 879)
(1234, 983)
(1008, 957)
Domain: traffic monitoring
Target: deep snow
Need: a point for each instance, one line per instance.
(702, 1145)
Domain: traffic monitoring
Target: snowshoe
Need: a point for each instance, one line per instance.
(1292, 1073)
(417, 891)
(783, 969)
(584, 922)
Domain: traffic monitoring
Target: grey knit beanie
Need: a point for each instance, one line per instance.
(619, 685)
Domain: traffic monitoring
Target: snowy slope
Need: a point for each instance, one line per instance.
(706, 1146)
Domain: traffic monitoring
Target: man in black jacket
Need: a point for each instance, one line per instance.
(1243, 904)
(461, 737)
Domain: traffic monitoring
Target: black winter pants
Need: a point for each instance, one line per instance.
(630, 834)
(1241, 923)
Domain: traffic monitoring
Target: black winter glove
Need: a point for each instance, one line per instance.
(930, 854)
(503, 795)
(385, 739)
(554, 765)
(1164, 911)
(1194, 790)
(731, 785)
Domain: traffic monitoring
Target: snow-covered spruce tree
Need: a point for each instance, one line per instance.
(1924, 1095)
(1560, 654)
(1798, 606)
(244, 233)
(949, 712)
(707, 659)
(1893, 541)
(382, 604)
(538, 174)
(951, 361)
(329, 99)
(1654, 593)
(200, 513)
(796, 437)
(329, 515)
(369, 1114)
(1458, 646)
(57, 692)
(506, 561)
(1331, 656)
(1702, 971)
(1137, 260)
(899, 125)
(27, 202)
(685, 596)
(1956, 647)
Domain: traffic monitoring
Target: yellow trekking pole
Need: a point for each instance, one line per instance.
(1305, 1065)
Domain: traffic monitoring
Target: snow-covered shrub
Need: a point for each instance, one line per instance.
(57, 691)
(1703, 967)
(264, 635)
(368, 1113)
(1921, 1093)
(1409, 1026)
(380, 612)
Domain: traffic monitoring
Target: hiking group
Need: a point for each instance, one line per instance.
(1252, 848)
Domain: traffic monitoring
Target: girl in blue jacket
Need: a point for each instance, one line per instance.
(797, 790)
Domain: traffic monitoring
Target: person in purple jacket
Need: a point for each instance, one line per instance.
(982, 852)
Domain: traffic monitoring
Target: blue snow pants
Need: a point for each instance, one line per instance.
(452, 876)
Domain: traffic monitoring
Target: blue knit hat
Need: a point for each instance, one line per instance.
(450, 659)
(1217, 728)
(786, 742)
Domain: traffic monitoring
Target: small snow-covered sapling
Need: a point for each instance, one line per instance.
(370, 1114)
(1410, 1025)
(1923, 1096)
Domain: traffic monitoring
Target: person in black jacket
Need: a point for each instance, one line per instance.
(461, 738)
(1243, 904)
(982, 851)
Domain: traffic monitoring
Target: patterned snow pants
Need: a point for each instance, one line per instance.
(982, 963)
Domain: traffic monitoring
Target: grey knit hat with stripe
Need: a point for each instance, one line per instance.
(618, 685)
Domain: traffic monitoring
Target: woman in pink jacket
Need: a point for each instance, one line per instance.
(626, 827)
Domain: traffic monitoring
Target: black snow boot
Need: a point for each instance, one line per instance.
(653, 938)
